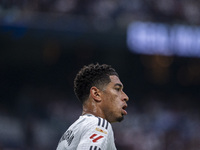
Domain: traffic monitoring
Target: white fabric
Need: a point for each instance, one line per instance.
(88, 133)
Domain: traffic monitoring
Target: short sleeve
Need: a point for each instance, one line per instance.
(95, 135)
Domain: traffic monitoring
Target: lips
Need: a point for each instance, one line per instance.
(124, 112)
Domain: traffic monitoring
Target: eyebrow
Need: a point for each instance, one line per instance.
(118, 84)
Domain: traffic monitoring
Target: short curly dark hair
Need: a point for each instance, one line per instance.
(92, 75)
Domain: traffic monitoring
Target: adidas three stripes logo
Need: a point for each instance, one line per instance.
(103, 123)
(94, 148)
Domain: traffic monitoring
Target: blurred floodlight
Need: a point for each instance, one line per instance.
(157, 38)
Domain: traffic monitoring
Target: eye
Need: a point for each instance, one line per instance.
(117, 89)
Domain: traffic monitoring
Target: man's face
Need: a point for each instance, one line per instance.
(114, 100)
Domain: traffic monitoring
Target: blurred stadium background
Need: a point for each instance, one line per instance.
(154, 45)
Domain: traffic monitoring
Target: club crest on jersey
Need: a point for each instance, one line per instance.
(100, 130)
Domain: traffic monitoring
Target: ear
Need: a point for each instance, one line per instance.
(95, 94)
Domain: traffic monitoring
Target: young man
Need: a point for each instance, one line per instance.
(100, 90)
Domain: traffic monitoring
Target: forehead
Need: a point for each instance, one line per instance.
(114, 80)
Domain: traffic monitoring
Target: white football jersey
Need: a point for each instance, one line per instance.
(88, 133)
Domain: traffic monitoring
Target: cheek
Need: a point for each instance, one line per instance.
(110, 102)
(115, 102)
(112, 99)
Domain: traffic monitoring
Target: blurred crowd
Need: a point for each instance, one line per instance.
(42, 114)
(111, 11)
(37, 116)
(160, 128)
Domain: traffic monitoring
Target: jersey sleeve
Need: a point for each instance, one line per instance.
(95, 135)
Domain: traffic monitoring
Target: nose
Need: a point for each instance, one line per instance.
(125, 97)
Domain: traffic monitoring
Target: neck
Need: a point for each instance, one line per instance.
(92, 108)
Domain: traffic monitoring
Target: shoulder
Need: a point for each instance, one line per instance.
(97, 122)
